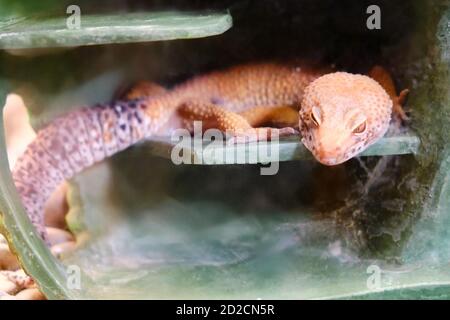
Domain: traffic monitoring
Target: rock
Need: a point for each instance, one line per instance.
(57, 207)
(18, 131)
(7, 259)
(57, 236)
(19, 278)
(30, 294)
(62, 249)
(7, 286)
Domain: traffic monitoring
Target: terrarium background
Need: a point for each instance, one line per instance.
(164, 231)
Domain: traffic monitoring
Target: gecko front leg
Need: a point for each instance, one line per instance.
(236, 126)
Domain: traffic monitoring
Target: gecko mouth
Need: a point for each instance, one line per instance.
(328, 161)
(333, 161)
(322, 158)
(328, 158)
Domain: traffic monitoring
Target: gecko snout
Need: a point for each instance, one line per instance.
(328, 156)
(327, 159)
(329, 145)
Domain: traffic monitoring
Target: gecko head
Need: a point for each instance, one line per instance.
(341, 115)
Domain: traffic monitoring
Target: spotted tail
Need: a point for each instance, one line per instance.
(72, 143)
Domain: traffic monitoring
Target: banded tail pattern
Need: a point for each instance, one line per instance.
(71, 143)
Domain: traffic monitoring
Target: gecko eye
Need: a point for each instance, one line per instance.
(315, 116)
(360, 128)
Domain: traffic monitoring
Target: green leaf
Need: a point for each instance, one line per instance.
(43, 32)
(289, 148)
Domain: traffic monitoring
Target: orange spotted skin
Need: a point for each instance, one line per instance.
(339, 115)
(352, 110)
(342, 114)
(237, 89)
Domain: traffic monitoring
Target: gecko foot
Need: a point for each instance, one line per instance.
(259, 134)
(398, 106)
